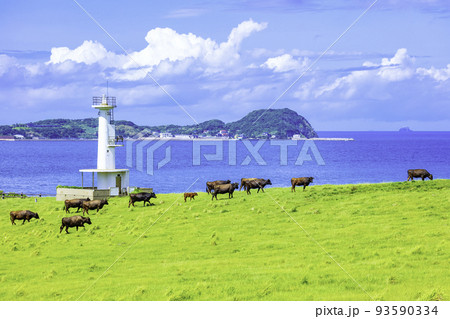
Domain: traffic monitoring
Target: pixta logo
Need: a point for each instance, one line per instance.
(148, 154)
(253, 152)
(142, 150)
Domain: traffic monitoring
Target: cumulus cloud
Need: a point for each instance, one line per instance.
(167, 44)
(163, 45)
(6, 63)
(228, 52)
(439, 75)
(398, 68)
(89, 52)
(373, 76)
(285, 63)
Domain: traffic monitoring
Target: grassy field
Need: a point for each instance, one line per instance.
(391, 239)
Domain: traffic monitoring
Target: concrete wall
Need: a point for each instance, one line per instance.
(73, 193)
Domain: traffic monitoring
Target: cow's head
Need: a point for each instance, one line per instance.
(235, 185)
(88, 220)
(105, 202)
(269, 182)
(311, 179)
(431, 176)
(88, 199)
(152, 195)
(227, 181)
(36, 215)
(195, 194)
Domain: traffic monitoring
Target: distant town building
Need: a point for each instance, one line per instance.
(19, 137)
(165, 135)
(183, 136)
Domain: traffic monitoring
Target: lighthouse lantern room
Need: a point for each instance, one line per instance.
(108, 177)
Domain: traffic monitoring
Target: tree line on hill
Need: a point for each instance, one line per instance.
(277, 123)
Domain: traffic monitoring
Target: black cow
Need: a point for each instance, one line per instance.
(22, 214)
(94, 204)
(418, 173)
(258, 183)
(225, 189)
(74, 221)
(141, 197)
(78, 203)
(301, 181)
(210, 185)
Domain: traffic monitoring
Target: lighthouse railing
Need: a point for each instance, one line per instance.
(100, 100)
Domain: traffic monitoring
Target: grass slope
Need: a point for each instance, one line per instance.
(392, 239)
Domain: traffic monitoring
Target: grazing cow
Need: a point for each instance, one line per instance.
(74, 221)
(141, 197)
(305, 181)
(190, 195)
(258, 183)
(78, 203)
(244, 180)
(418, 173)
(94, 204)
(22, 214)
(224, 189)
(210, 185)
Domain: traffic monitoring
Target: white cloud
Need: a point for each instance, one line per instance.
(440, 75)
(6, 63)
(398, 68)
(372, 80)
(167, 44)
(89, 52)
(284, 63)
(186, 13)
(228, 52)
(164, 46)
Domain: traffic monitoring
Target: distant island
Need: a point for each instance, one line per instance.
(405, 129)
(274, 123)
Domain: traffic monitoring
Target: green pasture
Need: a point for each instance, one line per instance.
(331, 242)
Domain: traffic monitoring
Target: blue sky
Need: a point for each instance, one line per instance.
(223, 59)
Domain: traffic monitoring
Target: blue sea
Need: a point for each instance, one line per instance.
(37, 167)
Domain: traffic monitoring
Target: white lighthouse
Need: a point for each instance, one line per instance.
(108, 177)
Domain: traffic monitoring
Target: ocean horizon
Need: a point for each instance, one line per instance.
(38, 167)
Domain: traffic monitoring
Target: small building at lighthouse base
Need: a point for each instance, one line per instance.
(117, 181)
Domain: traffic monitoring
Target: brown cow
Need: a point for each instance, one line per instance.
(94, 204)
(305, 181)
(258, 183)
(224, 189)
(244, 180)
(74, 221)
(419, 173)
(190, 195)
(22, 214)
(78, 203)
(210, 185)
